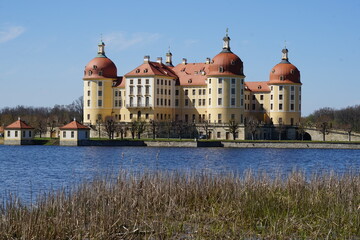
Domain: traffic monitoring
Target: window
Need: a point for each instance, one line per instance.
(88, 93)
(99, 103)
(292, 97)
(292, 88)
(281, 78)
(186, 102)
(116, 103)
(220, 81)
(193, 118)
(242, 81)
(100, 93)
(89, 84)
(204, 91)
(193, 102)
(147, 81)
(64, 134)
(186, 118)
(90, 72)
(161, 91)
(162, 82)
(280, 88)
(299, 107)
(161, 102)
(139, 81)
(177, 92)
(147, 90)
(280, 97)
(100, 73)
(157, 91)
(131, 115)
(253, 97)
(176, 102)
(221, 69)
(186, 92)
(169, 102)
(147, 101)
(88, 103)
(209, 80)
(271, 106)
(100, 84)
(157, 81)
(72, 134)
(131, 90)
(24, 133)
(242, 102)
(199, 102)
(253, 106)
(194, 92)
(261, 106)
(232, 90)
(165, 83)
(219, 90)
(219, 101)
(261, 97)
(219, 118)
(232, 101)
(199, 91)
(29, 133)
(233, 81)
(280, 106)
(209, 90)
(119, 93)
(271, 97)
(131, 81)
(203, 102)
(292, 107)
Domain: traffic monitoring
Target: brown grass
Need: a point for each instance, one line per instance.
(168, 205)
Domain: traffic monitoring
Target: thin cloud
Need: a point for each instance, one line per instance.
(122, 41)
(10, 33)
(190, 42)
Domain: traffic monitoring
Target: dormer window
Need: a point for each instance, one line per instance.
(189, 81)
(292, 71)
(232, 62)
(137, 70)
(221, 69)
(145, 70)
(259, 87)
(281, 78)
(100, 73)
(94, 67)
(90, 72)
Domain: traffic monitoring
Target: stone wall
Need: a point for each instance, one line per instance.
(334, 135)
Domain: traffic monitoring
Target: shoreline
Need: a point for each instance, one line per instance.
(204, 143)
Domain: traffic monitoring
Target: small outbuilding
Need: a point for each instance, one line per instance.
(19, 133)
(74, 134)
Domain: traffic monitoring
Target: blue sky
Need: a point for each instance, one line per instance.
(45, 45)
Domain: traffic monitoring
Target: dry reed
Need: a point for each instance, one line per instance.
(174, 205)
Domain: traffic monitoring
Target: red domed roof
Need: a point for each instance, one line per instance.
(100, 67)
(284, 72)
(226, 63)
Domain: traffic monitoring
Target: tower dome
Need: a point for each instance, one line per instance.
(284, 72)
(100, 66)
(226, 62)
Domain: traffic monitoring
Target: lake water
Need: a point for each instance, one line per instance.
(29, 170)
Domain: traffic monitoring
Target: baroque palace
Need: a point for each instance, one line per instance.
(213, 91)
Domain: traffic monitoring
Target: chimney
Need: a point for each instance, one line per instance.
(207, 61)
(159, 60)
(184, 61)
(146, 59)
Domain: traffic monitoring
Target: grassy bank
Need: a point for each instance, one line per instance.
(192, 206)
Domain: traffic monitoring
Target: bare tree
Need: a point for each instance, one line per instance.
(205, 124)
(301, 130)
(133, 128)
(280, 128)
(233, 126)
(121, 128)
(324, 128)
(252, 125)
(154, 127)
(141, 127)
(41, 127)
(110, 126)
(99, 124)
(180, 127)
(52, 124)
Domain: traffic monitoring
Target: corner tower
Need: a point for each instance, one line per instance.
(99, 75)
(285, 87)
(225, 83)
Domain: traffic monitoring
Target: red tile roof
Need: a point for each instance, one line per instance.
(151, 69)
(257, 86)
(120, 82)
(74, 125)
(19, 124)
(192, 74)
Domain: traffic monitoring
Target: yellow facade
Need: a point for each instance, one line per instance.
(218, 94)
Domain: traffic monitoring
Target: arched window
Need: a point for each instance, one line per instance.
(90, 72)
(137, 70)
(221, 69)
